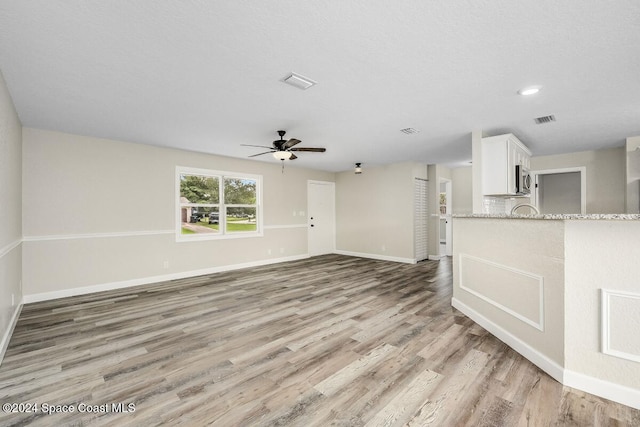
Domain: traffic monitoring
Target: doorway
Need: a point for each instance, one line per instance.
(321, 230)
(445, 222)
(560, 191)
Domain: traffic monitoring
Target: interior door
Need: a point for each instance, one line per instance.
(321, 217)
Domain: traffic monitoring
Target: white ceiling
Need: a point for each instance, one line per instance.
(206, 75)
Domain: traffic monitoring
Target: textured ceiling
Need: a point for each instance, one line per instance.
(206, 76)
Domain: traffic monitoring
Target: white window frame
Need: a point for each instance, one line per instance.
(222, 207)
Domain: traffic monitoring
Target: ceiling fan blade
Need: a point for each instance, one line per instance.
(260, 154)
(290, 143)
(259, 146)
(293, 157)
(315, 150)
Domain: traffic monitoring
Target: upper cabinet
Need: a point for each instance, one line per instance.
(500, 156)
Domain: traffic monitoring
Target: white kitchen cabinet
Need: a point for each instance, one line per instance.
(500, 155)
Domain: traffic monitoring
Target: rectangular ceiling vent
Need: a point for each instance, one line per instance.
(301, 82)
(409, 131)
(545, 119)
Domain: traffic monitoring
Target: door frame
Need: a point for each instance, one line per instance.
(311, 182)
(583, 184)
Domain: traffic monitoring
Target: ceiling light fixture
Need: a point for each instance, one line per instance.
(282, 155)
(358, 169)
(301, 82)
(531, 90)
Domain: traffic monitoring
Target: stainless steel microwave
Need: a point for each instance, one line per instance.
(523, 180)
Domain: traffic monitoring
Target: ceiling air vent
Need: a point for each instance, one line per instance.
(301, 82)
(544, 119)
(409, 131)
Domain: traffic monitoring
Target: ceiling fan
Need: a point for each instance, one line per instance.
(283, 150)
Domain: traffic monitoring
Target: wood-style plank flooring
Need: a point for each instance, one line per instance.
(328, 341)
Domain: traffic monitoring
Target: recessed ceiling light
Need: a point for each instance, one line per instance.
(301, 82)
(531, 90)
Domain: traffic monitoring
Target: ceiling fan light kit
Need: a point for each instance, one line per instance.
(358, 169)
(282, 155)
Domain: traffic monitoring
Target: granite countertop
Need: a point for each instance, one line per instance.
(553, 216)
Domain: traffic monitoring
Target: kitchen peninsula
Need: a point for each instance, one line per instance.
(562, 290)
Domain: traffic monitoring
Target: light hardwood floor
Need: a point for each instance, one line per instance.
(332, 340)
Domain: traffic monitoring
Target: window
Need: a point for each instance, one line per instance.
(215, 204)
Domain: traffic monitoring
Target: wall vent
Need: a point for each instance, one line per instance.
(545, 119)
(409, 131)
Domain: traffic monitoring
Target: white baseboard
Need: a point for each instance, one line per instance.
(608, 390)
(7, 334)
(612, 391)
(46, 296)
(435, 257)
(540, 360)
(376, 256)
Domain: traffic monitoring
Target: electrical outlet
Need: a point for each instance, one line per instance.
(281, 250)
(294, 213)
(268, 251)
(301, 213)
(13, 300)
(165, 264)
(384, 248)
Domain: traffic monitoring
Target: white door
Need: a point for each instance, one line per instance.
(321, 213)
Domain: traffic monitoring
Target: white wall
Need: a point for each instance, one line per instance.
(375, 209)
(462, 184)
(605, 170)
(100, 213)
(10, 215)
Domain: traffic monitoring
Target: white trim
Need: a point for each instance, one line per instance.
(45, 296)
(8, 248)
(7, 335)
(551, 367)
(96, 235)
(376, 256)
(280, 227)
(436, 257)
(11, 246)
(538, 325)
(583, 183)
(605, 324)
(201, 237)
(612, 391)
